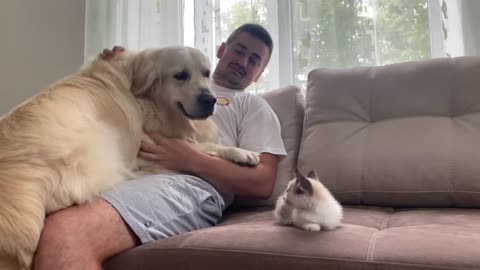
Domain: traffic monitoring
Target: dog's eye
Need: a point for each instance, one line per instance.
(206, 74)
(182, 76)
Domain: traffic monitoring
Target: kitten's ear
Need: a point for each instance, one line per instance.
(312, 175)
(298, 175)
(303, 184)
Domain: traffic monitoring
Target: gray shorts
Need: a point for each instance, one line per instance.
(164, 205)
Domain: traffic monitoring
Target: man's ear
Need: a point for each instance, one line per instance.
(220, 50)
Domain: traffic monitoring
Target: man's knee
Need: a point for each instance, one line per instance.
(86, 231)
(58, 232)
(59, 245)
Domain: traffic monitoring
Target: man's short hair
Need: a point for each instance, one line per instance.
(257, 31)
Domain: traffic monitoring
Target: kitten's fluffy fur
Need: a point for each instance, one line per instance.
(308, 205)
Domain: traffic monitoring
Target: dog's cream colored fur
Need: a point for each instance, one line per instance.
(81, 136)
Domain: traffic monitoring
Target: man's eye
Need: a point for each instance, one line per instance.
(254, 62)
(182, 76)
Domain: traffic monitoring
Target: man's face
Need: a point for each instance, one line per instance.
(241, 62)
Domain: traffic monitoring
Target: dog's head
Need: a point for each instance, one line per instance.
(176, 77)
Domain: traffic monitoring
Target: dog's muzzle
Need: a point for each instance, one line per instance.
(206, 103)
(205, 106)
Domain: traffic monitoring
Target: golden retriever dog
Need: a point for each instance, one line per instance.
(81, 136)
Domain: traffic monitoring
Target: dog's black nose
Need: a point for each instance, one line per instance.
(207, 101)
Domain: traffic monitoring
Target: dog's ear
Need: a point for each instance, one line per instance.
(145, 77)
(143, 85)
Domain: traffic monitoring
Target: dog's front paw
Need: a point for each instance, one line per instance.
(243, 157)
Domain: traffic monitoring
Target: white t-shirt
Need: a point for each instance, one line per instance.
(246, 121)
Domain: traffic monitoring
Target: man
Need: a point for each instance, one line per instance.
(155, 207)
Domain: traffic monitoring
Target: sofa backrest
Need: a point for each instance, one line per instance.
(289, 105)
(400, 135)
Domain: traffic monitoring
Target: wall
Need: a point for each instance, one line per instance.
(40, 42)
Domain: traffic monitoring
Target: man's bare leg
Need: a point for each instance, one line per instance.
(83, 237)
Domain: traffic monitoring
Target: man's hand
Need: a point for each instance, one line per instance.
(172, 154)
(182, 156)
(109, 54)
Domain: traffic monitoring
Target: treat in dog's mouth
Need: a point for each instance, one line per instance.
(202, 115)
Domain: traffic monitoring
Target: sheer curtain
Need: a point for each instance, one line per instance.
(135, 24)
(307, 33)
(461, 27)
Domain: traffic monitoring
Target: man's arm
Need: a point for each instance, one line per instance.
(228, 177)
(242, 181)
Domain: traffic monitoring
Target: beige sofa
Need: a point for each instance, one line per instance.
(399, 147)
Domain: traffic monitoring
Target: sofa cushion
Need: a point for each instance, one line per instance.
(289, 105)
(371, 238)
(399, 135)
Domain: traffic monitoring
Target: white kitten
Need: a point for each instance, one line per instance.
(308, 205)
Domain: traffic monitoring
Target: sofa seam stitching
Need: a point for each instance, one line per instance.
(369, 250)
(373, 240)
(452, 157)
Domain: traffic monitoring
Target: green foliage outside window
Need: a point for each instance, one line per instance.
(343, 33)
(338, 34)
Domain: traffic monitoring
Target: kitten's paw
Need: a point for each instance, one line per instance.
(311, 227)
(243, 157)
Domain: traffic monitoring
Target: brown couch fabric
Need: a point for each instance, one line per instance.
(403, 135)
(371, 238)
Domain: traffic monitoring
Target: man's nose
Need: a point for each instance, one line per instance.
(243, 61)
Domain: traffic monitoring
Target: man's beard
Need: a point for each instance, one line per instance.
(237, 71)
(233, 81)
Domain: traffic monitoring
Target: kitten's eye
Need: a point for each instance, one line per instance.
(206, 74)
(182, 76)
(299, 191)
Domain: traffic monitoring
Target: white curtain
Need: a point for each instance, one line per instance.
(204, 27)
(135, 24)
(461, 27)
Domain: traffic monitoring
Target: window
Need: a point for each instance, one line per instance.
(330, 33)
(337, 34)
(307, 34)
(214, 20)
